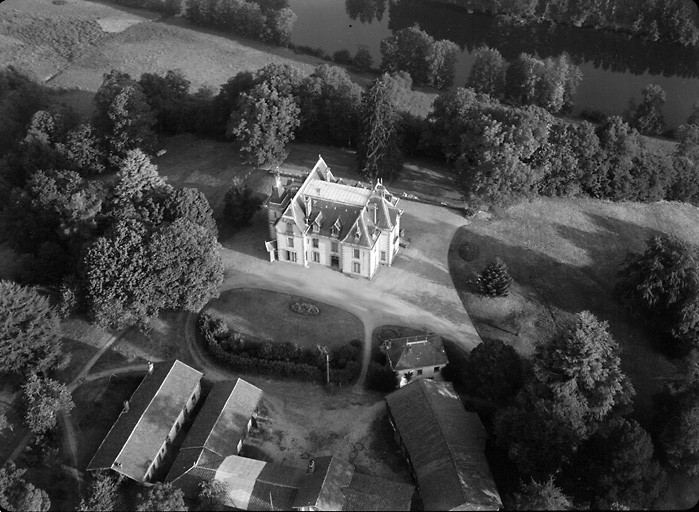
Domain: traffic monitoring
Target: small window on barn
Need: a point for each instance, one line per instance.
(419, 372)
(436, 369)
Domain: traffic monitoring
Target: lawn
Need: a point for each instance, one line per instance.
(164, 341)
(267, 315)
(97, 406)
(564, 256)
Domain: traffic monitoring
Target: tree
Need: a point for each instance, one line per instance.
(441, 59)
(212, 494)
(488, 72)
(407, 50)
(45, 398)
(29, 330)
(227, 98)
(167, 97)
(263, 123)
(190, 204)
(676, 426)
(662, 285)
(620, 144)
(280, 24)
(240, 205)
(102, 495)
(161, 498)
(17, 495)
(330, 103)
(378, 151)
(5, 423)
(83, 152)
(647, 117)
(493, 370)
(363, 59)
(577, 383)
(543, 495)
(122, 116)
(495, 280)
(616, 465)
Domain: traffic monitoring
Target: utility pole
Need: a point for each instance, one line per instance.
(324, 350)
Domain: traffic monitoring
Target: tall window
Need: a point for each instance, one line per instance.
(356, 267)
(356, 253)
(315, 243)
(289, 228)
(316, 257)
(383, 255)
(292, 256)
(333, 246)
(290, 241)
(288, 255)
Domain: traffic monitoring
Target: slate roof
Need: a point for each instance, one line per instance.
(351, 204)
(222, 420)
(323, 488)
(137, 435)
(415, 352)
(446, 446)
(366, 492)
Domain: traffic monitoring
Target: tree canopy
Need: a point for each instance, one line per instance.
(544, 495)
(493, 370)
(45, 398)
(161, 498)
(29, 330)
(102, 494)
(17, 495)
(676, 426)
(488, 72)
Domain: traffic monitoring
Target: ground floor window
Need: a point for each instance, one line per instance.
(436, 369)
(292, 256)
(419, 372)
(316, 257)
(383, 255)
(356, 267)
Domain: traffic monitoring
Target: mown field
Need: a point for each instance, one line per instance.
(564, 256)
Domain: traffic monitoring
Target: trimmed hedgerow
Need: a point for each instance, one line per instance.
(285, 359)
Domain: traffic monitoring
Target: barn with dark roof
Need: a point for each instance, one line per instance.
(444, 445)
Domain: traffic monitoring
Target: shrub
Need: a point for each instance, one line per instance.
(495, 280)
(381, 378)
(304, 308)
(342, 57)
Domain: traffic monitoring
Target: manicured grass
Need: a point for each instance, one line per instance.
(266, 315)
(80, 353)
(564, 256)
(97, 406)
(164, 341)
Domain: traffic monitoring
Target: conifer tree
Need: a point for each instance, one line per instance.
(495, 280)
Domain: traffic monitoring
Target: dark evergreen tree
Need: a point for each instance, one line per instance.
(647, 117)
(495, 280)
(493, 370)
(378, 151)
(240, 204)
(363, 59)
(676, 426)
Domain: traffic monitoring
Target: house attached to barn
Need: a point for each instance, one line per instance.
(444, 445)
(416, 357)
(139, 440)
(328, 222)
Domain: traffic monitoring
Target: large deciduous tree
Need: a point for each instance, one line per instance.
(378, 151)
(488, 72)
(17, 495)
(122, 116)
(577, 383)
(330, 104)
(161, 498)
(542, 495)
(102, 495)
(647, 116)
(493, 370)
(29, 330)
(676, 426)
(616, 465)
(45, 398)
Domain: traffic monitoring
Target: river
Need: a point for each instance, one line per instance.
(615, 67)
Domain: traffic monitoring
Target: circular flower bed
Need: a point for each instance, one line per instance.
(304, 308)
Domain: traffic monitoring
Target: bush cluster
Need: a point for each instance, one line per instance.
(279, 359)
(304, 308)
(248, 19)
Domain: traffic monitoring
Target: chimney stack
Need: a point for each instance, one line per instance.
(311, 467)
(126, 406)
(278, 182)
(150, 367)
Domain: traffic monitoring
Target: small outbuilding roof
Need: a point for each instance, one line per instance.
(446, 446)
(223, 419)
(415, 352)
(136, 437)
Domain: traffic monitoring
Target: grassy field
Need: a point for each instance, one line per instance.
(564, 257)
(97, 406)
(267, 315)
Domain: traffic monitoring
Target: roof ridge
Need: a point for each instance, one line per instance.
(144, 410)
(220, 412)
(441, 430)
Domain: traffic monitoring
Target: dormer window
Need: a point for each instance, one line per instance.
(336, 227)
(316, 227)
(357, 234)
